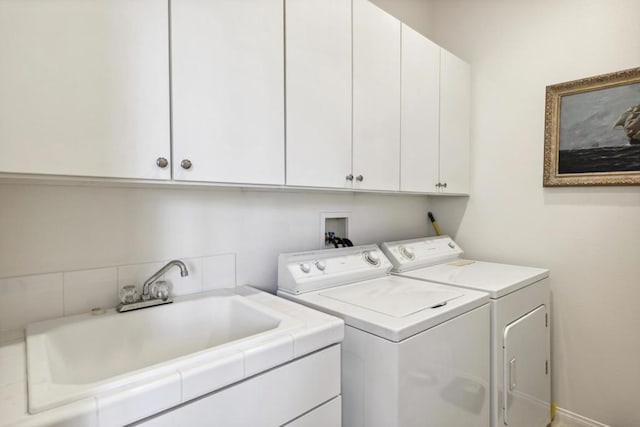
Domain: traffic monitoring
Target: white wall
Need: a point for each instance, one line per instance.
(589, 237)
(59, 228)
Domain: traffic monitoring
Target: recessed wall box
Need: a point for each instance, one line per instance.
(333, 222)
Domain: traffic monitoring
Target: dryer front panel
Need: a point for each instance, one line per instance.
(526, 380)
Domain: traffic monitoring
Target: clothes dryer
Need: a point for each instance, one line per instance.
(520, 339)
(414, 353)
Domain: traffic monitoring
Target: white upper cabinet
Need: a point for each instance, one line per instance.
(84, 88)
(376, 98)
(420, 112)
(455, 120)
(308, 93)
(318, 75)
(228, 90)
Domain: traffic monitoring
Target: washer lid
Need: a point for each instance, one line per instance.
(392, 299)
(496, 279)
(385, 306)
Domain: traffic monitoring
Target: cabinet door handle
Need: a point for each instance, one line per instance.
(444, 185)
(186, 164)
(162, 162)
(359, 178)
(349, 177)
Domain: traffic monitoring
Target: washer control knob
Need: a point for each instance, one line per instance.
(372, 257)
(305, 267)
(321, 265)
(408, 253)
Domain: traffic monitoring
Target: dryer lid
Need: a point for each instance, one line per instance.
(496, 279)
(393, 299)
(438, 259)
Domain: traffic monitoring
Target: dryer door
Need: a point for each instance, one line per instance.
(527, 386)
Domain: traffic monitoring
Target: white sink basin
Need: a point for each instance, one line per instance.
(80, 356)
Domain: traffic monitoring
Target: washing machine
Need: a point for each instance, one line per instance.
(520, 339)
(414, 353)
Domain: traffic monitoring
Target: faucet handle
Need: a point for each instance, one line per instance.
(128, 294)
(159, 290)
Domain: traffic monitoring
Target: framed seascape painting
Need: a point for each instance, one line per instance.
(592, 131)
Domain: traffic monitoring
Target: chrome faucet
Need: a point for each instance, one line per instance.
(146, 296)
(153, 292)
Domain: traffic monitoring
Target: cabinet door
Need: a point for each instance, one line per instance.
(318, 46)
(84, 87)
(271, 398)
(326, 415)
(455, 120)
(228, 90)
(376, 97)
(420, 112)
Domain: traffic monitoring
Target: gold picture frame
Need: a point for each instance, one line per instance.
(592, 131)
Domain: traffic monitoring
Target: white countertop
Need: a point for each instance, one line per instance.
(316, 331)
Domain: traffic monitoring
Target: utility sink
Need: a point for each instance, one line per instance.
(81, 356)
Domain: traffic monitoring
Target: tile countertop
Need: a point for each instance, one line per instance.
(317, 331)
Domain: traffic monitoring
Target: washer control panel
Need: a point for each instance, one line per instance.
(329, 266)
(305, 267)
(411, 254)
(372, 257)
(307, 271)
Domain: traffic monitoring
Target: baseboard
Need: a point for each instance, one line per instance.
(566, 418)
